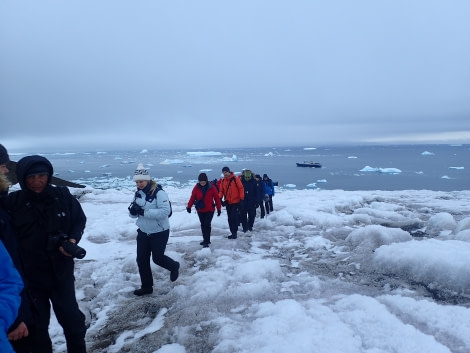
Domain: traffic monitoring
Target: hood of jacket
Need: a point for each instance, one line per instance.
(25, 163)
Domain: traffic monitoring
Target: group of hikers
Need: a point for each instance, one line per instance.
(241, 195)
(42, 224)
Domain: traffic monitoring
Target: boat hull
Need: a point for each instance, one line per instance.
(309, 165)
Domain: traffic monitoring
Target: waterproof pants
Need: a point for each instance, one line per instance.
(206, 220)
(248, 215)
(69, 316)
(261, 207)
(232, 216)
(153, 244)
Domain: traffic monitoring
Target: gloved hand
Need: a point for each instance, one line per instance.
(188, 209)
(141, 211)
(134, 209)
(218, 213)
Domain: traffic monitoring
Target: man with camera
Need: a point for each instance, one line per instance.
(49, 222)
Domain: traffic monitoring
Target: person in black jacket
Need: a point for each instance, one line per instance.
(260, 192)
(19, 332)
(48, 222)
(248, 209)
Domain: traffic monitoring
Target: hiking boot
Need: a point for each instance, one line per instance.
(205, 245)
(143, 291)
(203, 242)
(232, 237)
(175, 273)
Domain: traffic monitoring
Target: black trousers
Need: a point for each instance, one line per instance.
(232, 216)
(206, 225)
(261, 207)
(154, 245)
(248, 215)
(69, 316)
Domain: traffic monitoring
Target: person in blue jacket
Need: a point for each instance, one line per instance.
(269, 187)
(151, 208)
(11, 286)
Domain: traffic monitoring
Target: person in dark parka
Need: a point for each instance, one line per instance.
(44, 217)
(21, 329)
(260, 192)
(248, 210)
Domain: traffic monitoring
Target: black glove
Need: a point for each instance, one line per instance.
(141, 211)
(224, 203)
(134, 209)
(188, 209)
(218, 213)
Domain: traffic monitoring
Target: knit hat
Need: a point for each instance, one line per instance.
(4, 158)
(37, 168)
(225, 169)
(202, 177)
(265, 176)
(141, 173)
(257, 176)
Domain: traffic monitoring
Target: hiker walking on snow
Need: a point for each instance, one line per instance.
(231, 189)
(152, 208)
(205, 199)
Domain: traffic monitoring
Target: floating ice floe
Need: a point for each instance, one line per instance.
(311, 186)
(144, 151)
(352, 157)
(230, 159)
(381, 170)
(290, 186)
(321, 181)
(309, 148)
(202, 154)
(269, 154)
(172, 161)
(426, 153)
(459, 168)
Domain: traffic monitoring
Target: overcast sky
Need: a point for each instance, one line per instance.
(156, 74)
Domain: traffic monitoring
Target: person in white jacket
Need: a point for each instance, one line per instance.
(152, 208)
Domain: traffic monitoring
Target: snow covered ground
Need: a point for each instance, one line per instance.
(327, 271)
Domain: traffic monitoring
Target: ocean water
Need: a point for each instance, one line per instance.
(400, 167)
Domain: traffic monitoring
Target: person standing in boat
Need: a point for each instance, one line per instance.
(269, 188)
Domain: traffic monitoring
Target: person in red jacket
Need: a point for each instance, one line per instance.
(231, 189)
(205, 199)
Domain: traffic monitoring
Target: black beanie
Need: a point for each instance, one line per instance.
(202, 177)
(225, 169)
(4, 158)
(265, 176)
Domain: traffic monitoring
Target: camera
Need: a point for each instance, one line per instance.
(62, 239)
